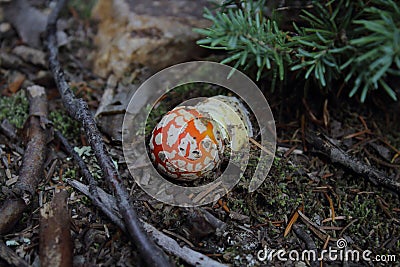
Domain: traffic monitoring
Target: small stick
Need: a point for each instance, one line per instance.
(190, 256)
(310, 244)
(11, 257)
(94, 191)
(32, 164)
(30, 172)
(82, 165)
(11, 211)
(336, 154)
(78, 109)
(261, 146)
(318, 231)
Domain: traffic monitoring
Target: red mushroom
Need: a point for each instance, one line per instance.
(186, 145)
(188, 142)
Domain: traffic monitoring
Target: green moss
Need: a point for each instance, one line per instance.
(69, 173)
(87, 154)
(371, 227)
(65, 124)
(15, 108)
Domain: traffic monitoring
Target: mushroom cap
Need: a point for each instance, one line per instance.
(231, 115)
(186, 144)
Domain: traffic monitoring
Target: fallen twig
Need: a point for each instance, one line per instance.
(11, 257)
(336, 154)
(318, 231)
(310, 244)
(185, 253)
(190, 256)
(11, 211)
(32, 162)
(214, 221)
(55, 236)
(94, 190)
(79, 110)
(30, 172)
(35, 153)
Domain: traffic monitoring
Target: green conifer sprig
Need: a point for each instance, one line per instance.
(352, 41)
(322, 45)
(250, 38)
(376, 49)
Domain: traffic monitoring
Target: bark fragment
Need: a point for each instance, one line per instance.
(55, 247)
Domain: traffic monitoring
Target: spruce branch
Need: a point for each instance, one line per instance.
(249, 38)
(377, 48)
(336, 41)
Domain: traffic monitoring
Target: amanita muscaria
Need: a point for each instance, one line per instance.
(188, 142)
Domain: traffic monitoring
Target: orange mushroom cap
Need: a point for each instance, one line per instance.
(186, 145)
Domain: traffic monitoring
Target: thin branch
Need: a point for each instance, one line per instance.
(187, 254)
(337, 155)
(310, 244)
(82, 165)
(94, 191)
(11, 257)
(11, 212)
(79, 110)
(106, 204)
(167, 243)
(31, 171)
(32, 164)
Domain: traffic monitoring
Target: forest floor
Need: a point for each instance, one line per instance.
(307, 201)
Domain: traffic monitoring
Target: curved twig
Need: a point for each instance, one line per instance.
(328, 147)
(187, 254)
